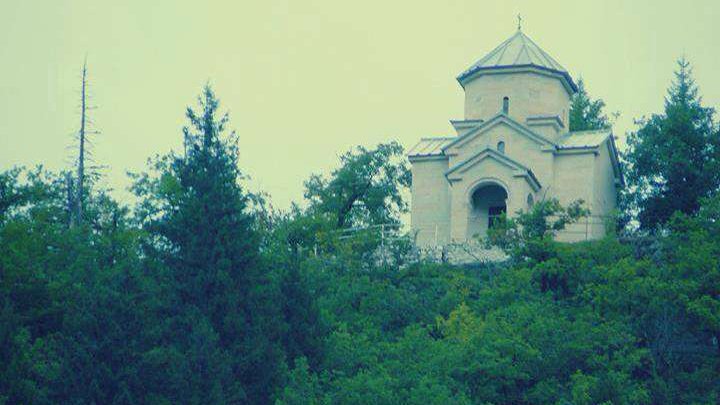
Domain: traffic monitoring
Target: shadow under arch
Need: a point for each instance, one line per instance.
(487, 202)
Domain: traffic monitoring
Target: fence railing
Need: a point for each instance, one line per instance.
(585, 227)
(386, 232)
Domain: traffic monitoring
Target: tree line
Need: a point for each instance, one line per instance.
(203, 293)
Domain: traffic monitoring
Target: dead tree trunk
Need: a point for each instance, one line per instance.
(70, 197)
(79, 189)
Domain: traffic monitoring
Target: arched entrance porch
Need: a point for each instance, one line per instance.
(488, 201)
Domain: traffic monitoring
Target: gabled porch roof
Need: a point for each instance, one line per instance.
(518, 169)
(496, 120)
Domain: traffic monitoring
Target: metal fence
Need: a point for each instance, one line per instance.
(385, 232)
(585, 228)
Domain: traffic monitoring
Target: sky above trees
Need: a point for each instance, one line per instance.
(305, 81)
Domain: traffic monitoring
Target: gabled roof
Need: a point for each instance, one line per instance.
(465, 125)
(617, 167)
(518, 51)
(489, 153)
(592, 140)
(572, 140)
(584, 139)
(543, 119)
(500, 118)
(429, 147)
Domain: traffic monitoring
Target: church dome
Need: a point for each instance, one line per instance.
(518, 52)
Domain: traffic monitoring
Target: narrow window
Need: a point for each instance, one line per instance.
(506, 105)
(530, 201)
(501, 147)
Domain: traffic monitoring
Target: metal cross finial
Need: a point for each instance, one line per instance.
(519, 22)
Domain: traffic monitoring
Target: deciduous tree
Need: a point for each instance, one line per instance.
(365, 190)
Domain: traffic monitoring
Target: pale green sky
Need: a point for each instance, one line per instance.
(306, 80)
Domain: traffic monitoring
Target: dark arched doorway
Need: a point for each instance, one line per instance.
(487, 203)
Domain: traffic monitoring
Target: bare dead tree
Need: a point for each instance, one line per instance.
(83, 150)
(81, 145)
(70, 197)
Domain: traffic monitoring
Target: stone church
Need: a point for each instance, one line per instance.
(512, 148)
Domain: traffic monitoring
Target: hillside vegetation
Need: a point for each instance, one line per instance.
(202, 293)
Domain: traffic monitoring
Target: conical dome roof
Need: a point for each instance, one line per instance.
(516, 52)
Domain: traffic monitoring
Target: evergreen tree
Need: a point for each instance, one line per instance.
(674, 158)
(586, 113)
(223, 311)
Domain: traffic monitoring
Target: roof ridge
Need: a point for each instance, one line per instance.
(546, 55)
(501, 157)
(490, 54)
(590, 130)
(523, 49)
(539, 57)
(511, 122)
(488, 150)
(502, 53)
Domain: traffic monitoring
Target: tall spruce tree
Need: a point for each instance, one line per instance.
(223, 306)
(673, 159)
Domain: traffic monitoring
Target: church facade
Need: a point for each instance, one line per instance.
(512, 149)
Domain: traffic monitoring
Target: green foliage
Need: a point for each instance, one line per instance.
(673, 159)
(204, 294)
(68, 322)
(303, 386)
(103, 314)
(529, 235)
(12, 194)
(586, 113)
(365, 190)
(222, 307)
